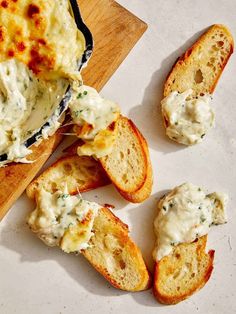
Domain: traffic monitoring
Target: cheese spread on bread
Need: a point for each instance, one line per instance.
(64, 220)
(184, 215)
(187, 119)
(93, 117)
(43, 35)
(26, 104)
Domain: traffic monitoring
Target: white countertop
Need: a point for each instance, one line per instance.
(35, 279)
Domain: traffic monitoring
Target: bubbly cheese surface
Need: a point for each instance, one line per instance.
(185, 214)
(26, 104)
(187, 119)
(93, 117)
(43, 35)
(63, 220)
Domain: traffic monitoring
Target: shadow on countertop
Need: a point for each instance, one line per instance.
(150, 108)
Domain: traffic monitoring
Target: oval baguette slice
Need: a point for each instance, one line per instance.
(79, 173)
(201, 65)
(128, 164)
(115, 255)
(185, 271)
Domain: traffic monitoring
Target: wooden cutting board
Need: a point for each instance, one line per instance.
(115, 31)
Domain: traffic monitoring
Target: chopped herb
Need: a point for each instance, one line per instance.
(164, 208)
(80, 95)
(203, 135)
(199, 189)
(176, 123)
(202, 219)
(171, 205)
(172, 243)
(64, 196)
(78, 112)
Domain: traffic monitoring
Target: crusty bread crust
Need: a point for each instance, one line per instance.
(209, 55)
(115, 255)
(171, 266)
(80, 173)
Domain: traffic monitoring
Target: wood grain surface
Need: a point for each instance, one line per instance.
(115, 32)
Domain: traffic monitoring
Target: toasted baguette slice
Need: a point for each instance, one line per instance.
(201, 65)
(128, 166)
(80, 173)
(115, 255)
(185, 271)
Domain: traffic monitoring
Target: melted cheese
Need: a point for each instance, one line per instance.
(187, 119)
(93, 117)
(26, 104)
(63, 220)
(41, 34)
(185, 214)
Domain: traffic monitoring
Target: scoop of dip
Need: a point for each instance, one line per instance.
(185, 214)
(93, 116)
(187, 119)
(64, 220)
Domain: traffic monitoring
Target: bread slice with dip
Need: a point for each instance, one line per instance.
(186, 107)
(184, 218)
(126, 161)
(63, 218)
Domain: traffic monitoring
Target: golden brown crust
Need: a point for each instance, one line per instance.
(187, 55)
(158, 273)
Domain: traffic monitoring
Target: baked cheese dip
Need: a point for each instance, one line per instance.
(38, 61)
(187, 119)
(26, 103)
(43, 35)
(185, 214)
(64, 220)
